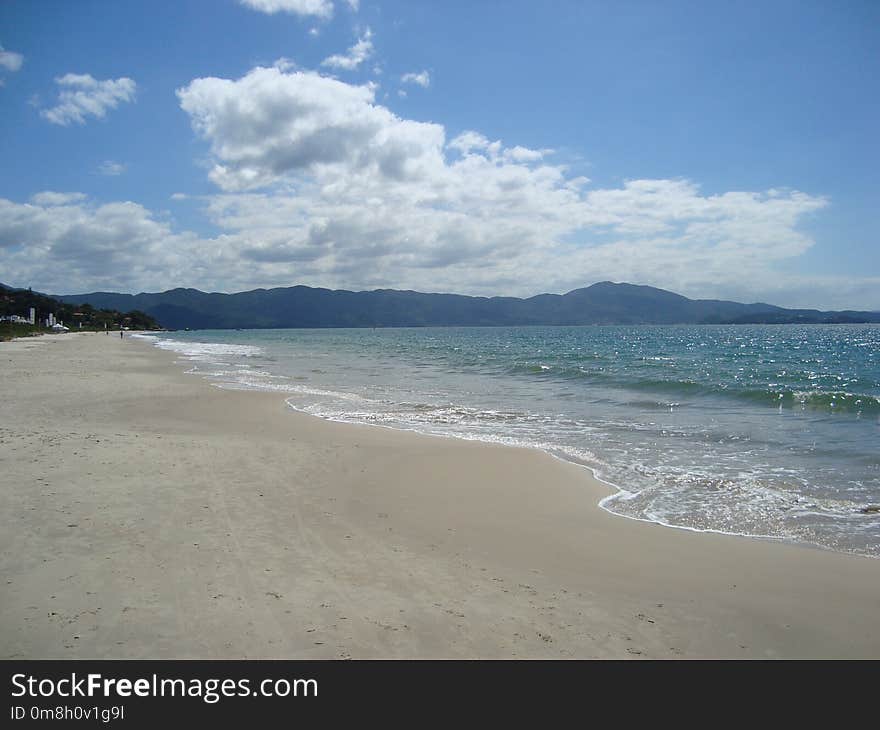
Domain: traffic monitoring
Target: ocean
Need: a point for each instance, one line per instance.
(769, 431)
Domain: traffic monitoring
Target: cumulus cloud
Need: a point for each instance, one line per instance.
(470, 141)
(355, 55)
(423, 79)
(49, 198)
(111, 168)
(319, 184)
(316, 173)
(64, 242)
(10, 60)
(271, 123)
(303, 8)
(524, 154)
(81, 96)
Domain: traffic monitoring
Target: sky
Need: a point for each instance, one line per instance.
(716, 149)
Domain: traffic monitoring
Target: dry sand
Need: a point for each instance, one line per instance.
(145, 513)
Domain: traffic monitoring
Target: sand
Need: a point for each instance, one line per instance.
(145, 513)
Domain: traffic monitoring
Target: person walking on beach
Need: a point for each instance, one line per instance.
(120, 334)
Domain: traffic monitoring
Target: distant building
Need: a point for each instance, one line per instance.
(17, 319)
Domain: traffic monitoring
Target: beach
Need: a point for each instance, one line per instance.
(146, 513)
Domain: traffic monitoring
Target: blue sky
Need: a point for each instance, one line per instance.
(716, 149)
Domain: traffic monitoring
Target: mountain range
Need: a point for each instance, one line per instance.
(302, 306)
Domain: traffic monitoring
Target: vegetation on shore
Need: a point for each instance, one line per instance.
(83, 317)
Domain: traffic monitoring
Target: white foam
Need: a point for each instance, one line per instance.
(207, 351)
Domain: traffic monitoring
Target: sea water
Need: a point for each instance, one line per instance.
(769, 431)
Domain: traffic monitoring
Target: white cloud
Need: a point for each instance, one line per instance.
(49, 198)
(10, 60)
(321, 185)
(357, 196)
(473, 142)
(81, 96)
(271, 123)
(524, 154)
(78, 245)
(111, 168)
(355, 55)
(354, 4)
(423, 79)
(63, 242)
(304, 8)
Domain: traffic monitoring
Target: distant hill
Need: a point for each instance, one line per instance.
(302, 306)
(18, 301)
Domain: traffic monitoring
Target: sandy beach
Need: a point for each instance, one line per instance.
(145, 513)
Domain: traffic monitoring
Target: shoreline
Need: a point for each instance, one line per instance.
(279, 534)
(613, 490)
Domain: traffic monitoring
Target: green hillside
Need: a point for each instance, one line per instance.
(74, 316)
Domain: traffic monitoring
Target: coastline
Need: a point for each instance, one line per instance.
(689, 448)
(147, 513)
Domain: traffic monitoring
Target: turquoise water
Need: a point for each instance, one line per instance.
(767, 431)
